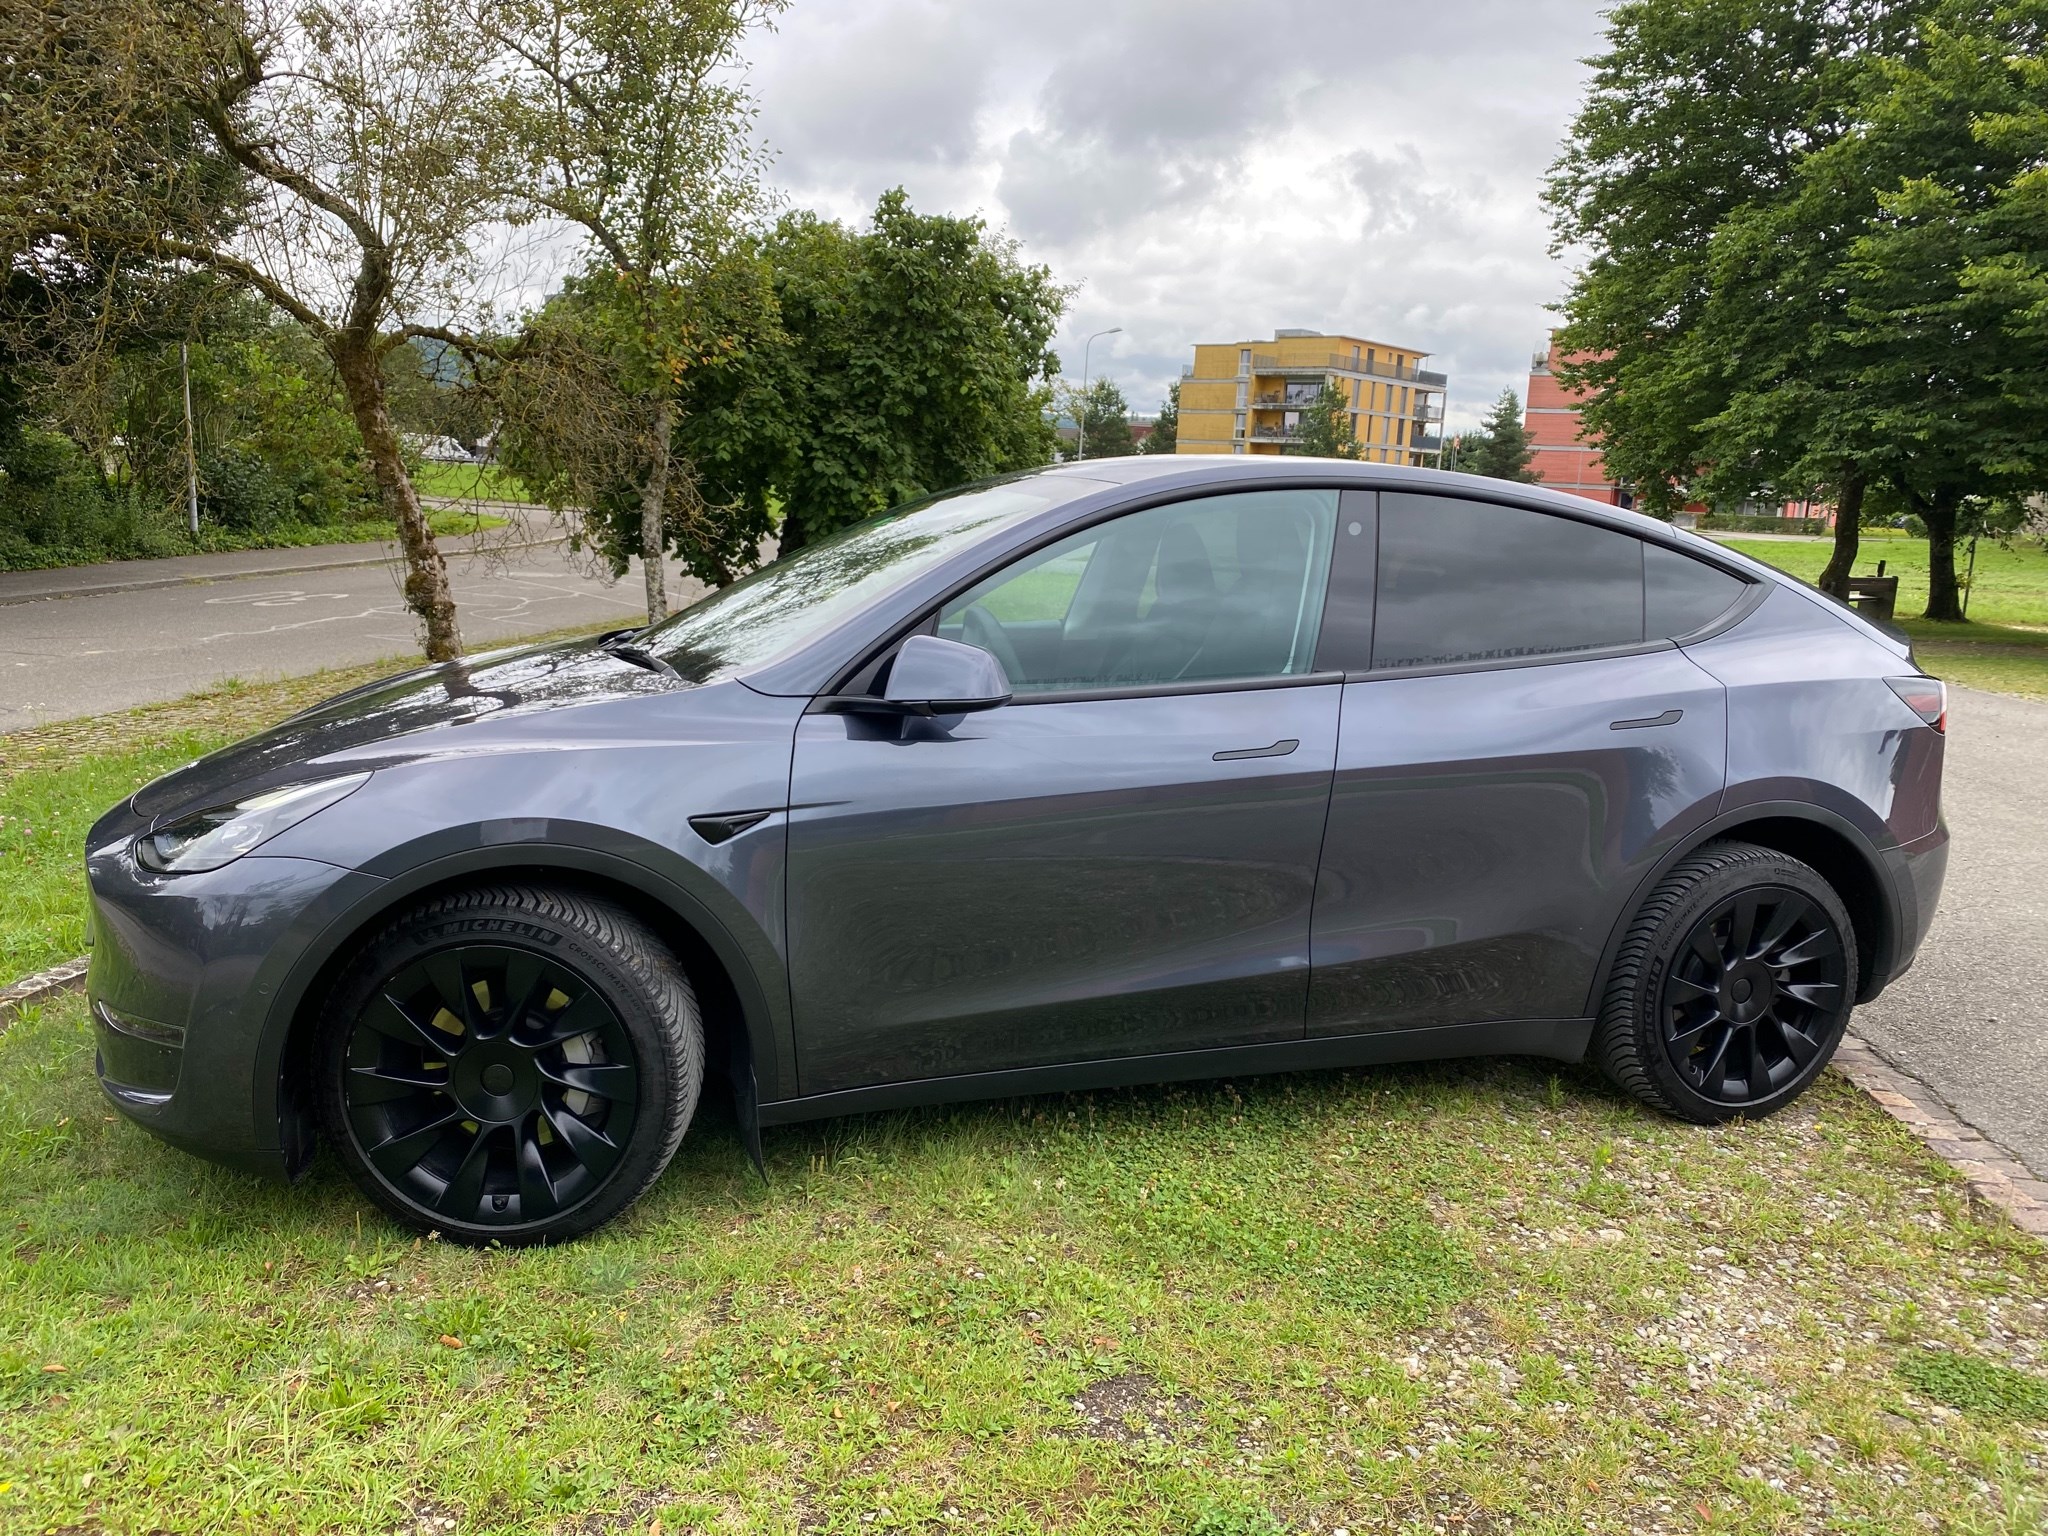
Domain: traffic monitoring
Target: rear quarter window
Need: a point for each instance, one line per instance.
(1682, 595)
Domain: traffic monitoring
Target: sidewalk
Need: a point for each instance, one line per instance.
(523, 531)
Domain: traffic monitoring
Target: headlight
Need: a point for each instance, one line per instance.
(208, 839)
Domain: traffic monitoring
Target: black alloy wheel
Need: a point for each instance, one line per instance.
(510, 1065)
(1750, 998)
(1732, 986)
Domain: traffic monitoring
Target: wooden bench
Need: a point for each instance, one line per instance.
(1876, 596)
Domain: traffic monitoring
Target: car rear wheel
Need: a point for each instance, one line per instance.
(1732, 988)
(512, 1065)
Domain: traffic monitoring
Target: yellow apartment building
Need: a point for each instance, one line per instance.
(1247, 396)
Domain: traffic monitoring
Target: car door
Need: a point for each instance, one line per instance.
(1120, 861)
(1522, 744)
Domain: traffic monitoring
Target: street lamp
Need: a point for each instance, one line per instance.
(1081, 413)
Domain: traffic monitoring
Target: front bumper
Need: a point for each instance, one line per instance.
(186, 972)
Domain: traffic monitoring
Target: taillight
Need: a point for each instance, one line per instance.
(1927, 697)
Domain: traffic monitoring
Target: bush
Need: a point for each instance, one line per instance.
(241, 492)
(1730, 522)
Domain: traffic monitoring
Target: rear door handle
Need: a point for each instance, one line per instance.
(1669, 717)
(1278, 749)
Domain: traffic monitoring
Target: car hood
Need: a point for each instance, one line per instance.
(432, 710)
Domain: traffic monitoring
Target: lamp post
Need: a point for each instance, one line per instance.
(1081, 413)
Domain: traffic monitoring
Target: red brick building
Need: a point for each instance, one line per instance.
(1552, 417)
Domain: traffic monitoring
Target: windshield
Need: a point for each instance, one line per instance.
(786, 603)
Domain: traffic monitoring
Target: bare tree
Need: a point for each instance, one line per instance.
(359, 132)
(630, 122)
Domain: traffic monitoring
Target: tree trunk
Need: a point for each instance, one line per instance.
(1848, 535)
(791, 535)
(653, 504)
(426, 587)
(1944, 597)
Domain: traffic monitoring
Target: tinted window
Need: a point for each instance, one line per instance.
(786, 603)
(1467, 581)
(1198, 591)
(1682, 594)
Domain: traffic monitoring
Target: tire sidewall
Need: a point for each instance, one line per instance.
(667, 1091)
(1707, 892)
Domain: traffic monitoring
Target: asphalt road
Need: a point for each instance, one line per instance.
(1971, 1017)
(66, 656)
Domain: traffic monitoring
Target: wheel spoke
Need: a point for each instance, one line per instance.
(385, 1085)
(526, 983)
(1759, 1075)
(1799, 1045)
(1813, 947)
(1683, 1040)
(590, 1147)
(400, 1153)
(1697, 989)
(388, 1017)
(1708, 949)
(537, 1196)
(1815, 994)
(585, 1014)
(1742, 926)
(1710, 1070)
(1787, 911)
(465, 1190)
(606, 1082)
(452, 983)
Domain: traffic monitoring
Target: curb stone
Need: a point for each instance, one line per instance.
(41, 987)
(1993, 1174)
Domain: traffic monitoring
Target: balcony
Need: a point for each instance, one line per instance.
(1277, 434)
(1429, 412)
(1433, 443)
(1267, 362)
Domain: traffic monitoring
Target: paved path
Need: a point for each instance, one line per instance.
(97, 638)
(1971, 1017)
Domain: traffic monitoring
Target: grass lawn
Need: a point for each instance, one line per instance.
(1471, 1298)
(2004, 647)
(483, 482)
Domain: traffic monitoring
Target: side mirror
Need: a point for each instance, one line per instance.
(943, 677)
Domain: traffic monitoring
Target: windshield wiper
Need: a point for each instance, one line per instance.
(620, 645)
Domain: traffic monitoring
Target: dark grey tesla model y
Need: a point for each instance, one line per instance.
(1123, 772)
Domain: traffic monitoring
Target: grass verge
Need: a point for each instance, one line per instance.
(480, 482)
(55, 780)
(2005, 646)
(1421, 1300)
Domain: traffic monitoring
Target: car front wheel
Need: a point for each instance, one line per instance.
(1732, 987)
(513, 1065)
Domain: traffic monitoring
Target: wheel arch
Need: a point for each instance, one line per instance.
(743, 1028)
(1835, 849)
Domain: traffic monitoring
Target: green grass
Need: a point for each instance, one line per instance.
(1976, 1386)
(2004, 647)
(484, 482)
(1458, 1298)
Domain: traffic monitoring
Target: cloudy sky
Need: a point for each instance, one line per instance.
(1208, 171)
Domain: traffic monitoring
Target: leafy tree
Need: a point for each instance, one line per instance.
(626, 120)
(1165, 435)
(1500, 447)
(1102, 420)
(358, 134)
(1326, 427)
(1699, 112)
(917, 358)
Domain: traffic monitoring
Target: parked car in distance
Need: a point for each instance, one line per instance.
(1136, 770)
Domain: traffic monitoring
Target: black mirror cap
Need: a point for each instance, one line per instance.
(931, 676)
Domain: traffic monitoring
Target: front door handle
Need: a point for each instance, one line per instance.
(1278, 749)
(1669, 717)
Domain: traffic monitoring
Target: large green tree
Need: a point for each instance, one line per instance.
(918, 357)
(1102, 420)
(1699, 113)
(629, 122)
(1165, 434)
(1325, 431)
(1500, 447)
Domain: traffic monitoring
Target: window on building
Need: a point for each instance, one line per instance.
(1354, 357)
(1357, 388)
(1240, 424)
(1354, 424)
(1368, 357)
(1244, 359)
(1243, 393)
(1464, 582)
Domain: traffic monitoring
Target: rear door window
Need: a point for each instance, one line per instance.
(1465, 583)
